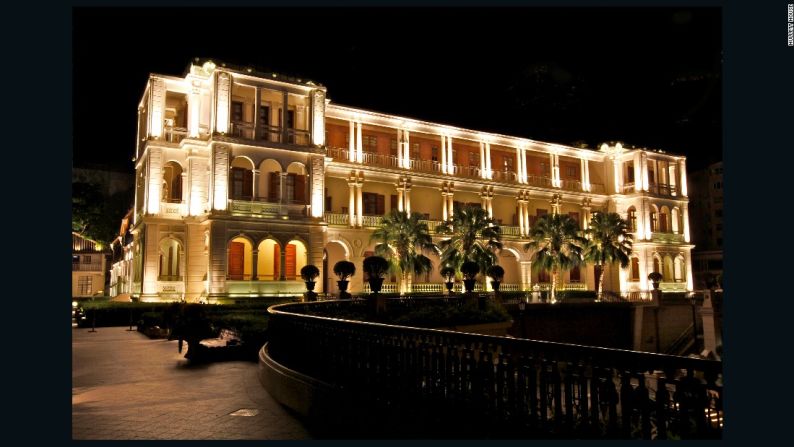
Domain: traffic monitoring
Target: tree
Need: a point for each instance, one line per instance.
(95, 216)
(403, 240)
(610, 242)
(556, 246)
(474, 236)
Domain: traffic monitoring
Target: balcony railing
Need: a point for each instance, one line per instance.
(537, 180)
(571, 185)
(242, 130)
(628, 188)
(386, 161)
(371, 221)
(270, 133)
(337, 219)
(669, 238)
(510, 230)
(266, 209)
(597, 188)
(485, 386)
(92, 267)
(504, 176)
(174, 134)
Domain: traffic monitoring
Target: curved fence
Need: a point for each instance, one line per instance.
(471, 385)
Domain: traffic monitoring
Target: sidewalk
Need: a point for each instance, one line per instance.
(126, 386)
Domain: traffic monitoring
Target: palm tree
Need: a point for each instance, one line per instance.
(473, 237)
(556, 245)
(610, 242)
(403, 240)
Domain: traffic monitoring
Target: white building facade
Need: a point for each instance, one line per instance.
(244, 177)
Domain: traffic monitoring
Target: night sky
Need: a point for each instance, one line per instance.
(650, 77)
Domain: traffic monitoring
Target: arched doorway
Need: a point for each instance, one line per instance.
(268, 260)
(240, 259)
(241, 179)
(172, 182)
(170, 260)
(335, 251)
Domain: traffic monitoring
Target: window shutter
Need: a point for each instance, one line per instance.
(393, 204)
(248, 184)
(276, 261)
(273, 187)
(300, 189)
(380, 207)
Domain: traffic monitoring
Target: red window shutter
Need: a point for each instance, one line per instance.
(300, 189)
(289, 262)
(380, 205)
(236, 260)
(248, 183)
(273, 187)
(575, 274)
(393, 202)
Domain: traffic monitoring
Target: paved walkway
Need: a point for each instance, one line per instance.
(126, 386)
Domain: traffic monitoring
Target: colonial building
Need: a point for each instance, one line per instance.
(89, 265)
(243, 177)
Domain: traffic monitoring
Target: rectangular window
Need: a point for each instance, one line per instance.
(629, 172)
(508, 163)
(474, 159)
(264, 115)
(86, 259)
(84, 285)
(369, 143)
(570, 172)
(374, 204)
(393, 147)
(237, 111)
(434, 153)
(543, 169)
(393, 202)
(415, 151)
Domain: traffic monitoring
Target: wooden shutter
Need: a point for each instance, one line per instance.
(575, 275)
(273, 187)
(574, 216)
(236, 260)
(289, 262)
(300, 189)
(176, 188)
(380, 205)
(248, 184)
(393, 203)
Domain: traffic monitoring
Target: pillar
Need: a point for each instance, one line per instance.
(586, 215)
(490, 204)
(284, 109)
(618, 174)
(185, 187)
(690, 285)
(359, 144)
(646, 216)
(443, 154)
(351, 143)
(352, 204)
(644, 170)
(282, 188)
(553, 167)
(255, 183)
(450, 199)
(682, 173)
(526, 275)
(407, 193)
(257, 124)
(444, 202)
(685, 220)
(282, 271)
(450, 158)
(585, 174)
(519, 166)
(406, 149)
(520, 206)
(483, 163)
(637, 172)
(400, 205)
(489, 170)
(193, 109)
(254, 264)
(360, 203)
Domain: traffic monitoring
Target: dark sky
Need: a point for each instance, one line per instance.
(650, 77)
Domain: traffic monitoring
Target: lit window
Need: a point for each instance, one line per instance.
(84, 285)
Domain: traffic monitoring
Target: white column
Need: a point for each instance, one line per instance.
(644, 168)
(685, 219)
(193, 109)
(400, 190)
(490, 206)
(407, 149)
(483, 163)
(637, 172)
(522, 230)
(257, 103)
(527, 224)
(585, 175)
(360, 203)
(489, 170)
(443, 154)
(282, 187)
(526, 275)
(553, 170)
(690, 285)
(351, 144)
(519, 168)
(450, 158)
(254, 183)
(407, 193)
(671, 178)
(359, 145)
(682, 168)
(646, 215)
(450, 198)
(618, 174)
(524, 169)
(352, 205)
(444, 204)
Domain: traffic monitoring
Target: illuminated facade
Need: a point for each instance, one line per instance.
(88, 267)
(244, 177)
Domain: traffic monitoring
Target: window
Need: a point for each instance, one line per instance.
(374, 204)
(242, 181)
(543, 169)
(474, 159)
(434, 153)
(629, 172)
(635, 269)
(290, 119)
(264, 115)
(369, 143)
(237, 111)
(84, 285)
(632, 219)
(415, 151)
(296, 188)
(654, 221)
(575, 275)
(570, 172)
(393, 202)
(86, 259)
(508, 164)
(393, 147)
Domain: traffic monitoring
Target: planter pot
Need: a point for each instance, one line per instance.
(310, 285)
(655, 285)
(495, 284)
(343, 295)
(449, 285)
(469, 284)
(375, 284)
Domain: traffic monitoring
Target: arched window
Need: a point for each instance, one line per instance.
(664, 215)
(654, 221)
(170, 260)
(240, 263)
(575, 275)
(172, 182)
(678, 269)
(635, 269)
(656, 267)
(241, 179)
(543, 276)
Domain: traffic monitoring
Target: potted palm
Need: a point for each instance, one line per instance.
(344, 270)
(655, 278)
(376, 268)
(448, 273)
(469, 270)
(497, 273)
(309, 273)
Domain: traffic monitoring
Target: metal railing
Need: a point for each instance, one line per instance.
(242, 130)
(337, 219)
(571, 185)
(488, 386)
(88, 267)
(537, 180)
(174, 134)
(628, 188)
(504, 176)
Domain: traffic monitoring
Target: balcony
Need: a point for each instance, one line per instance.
(667, 238)
(659, 189)
(92, 267)
(174, 134)
(270, 133)
(537, 180)
(267, 209)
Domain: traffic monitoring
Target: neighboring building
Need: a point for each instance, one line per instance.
(89, 264)
(706, 209)
(244, 177)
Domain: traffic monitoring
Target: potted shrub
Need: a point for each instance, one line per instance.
(344, 270)
(309, 273)
(497, 274)
(655, 278)
(376, 268)
(469, 270)
(448, 273)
